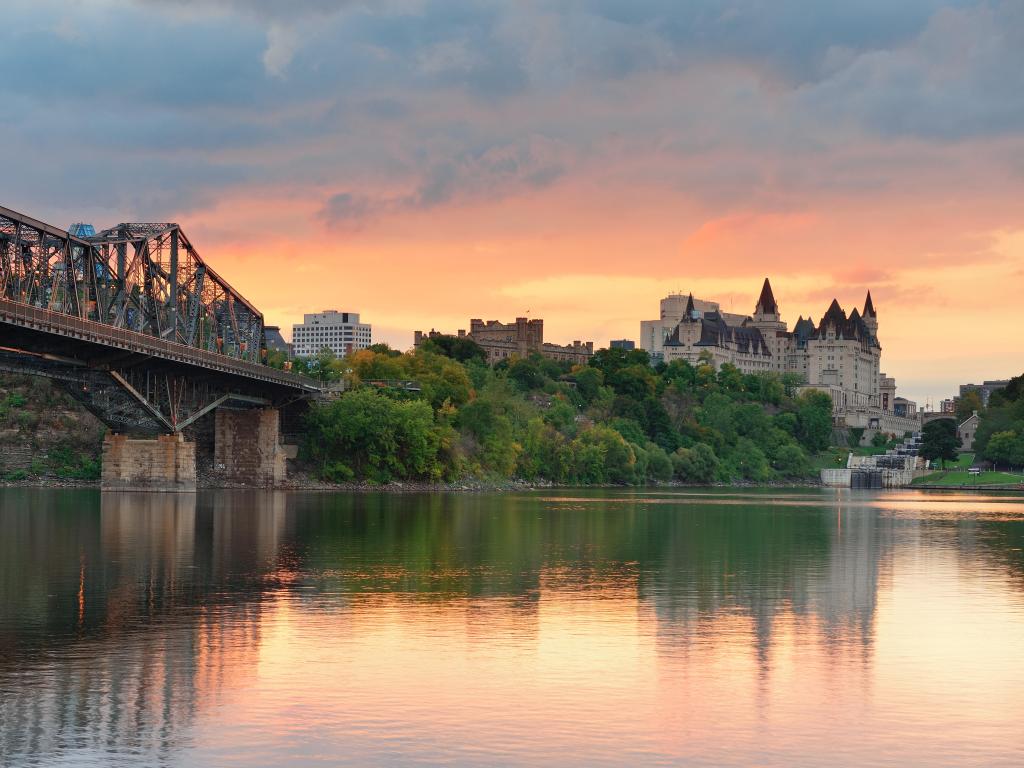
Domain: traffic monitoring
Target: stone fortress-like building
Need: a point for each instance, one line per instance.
(502, 341)
(840, 354)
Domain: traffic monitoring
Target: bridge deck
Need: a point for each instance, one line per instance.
(47, 321)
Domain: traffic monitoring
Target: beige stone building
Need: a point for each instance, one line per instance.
(674, 307)
(840, 354)
(522, 338)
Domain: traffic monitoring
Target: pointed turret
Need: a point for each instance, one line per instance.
(870, 318)
(691, 312)
(766, 303)
(869, 307)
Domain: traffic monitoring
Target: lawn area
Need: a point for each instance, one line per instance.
(963, 478)
(830, 459)
(963, 461)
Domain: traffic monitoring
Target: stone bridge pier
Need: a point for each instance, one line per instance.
(247, 447)
(247, 452)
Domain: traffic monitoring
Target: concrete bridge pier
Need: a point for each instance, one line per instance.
(247, 448)
(164, 463)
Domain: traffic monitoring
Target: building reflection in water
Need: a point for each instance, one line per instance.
(126, 620)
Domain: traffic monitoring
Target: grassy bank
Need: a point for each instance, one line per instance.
(961, 478)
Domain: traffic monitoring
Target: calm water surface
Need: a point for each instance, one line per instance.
(563, 628)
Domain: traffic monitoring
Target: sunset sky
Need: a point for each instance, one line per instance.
(425, 162)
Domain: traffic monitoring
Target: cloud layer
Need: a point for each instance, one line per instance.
(478, 146)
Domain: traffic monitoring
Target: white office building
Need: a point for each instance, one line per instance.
(340, 332)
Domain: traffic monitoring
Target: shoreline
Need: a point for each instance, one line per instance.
(477, 485)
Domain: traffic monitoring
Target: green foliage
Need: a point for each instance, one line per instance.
(939, 441)
(814, 420)
(373, 436)
(617, 420)
(967, 404)
(744, 461)
(1005, 413)
(659, 465)
(1006, 449)
(698, 464)
(856, 435)
(880, 440)
(791, 461)
(64, 461)
(461, 348)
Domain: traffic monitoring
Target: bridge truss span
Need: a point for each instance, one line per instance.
(134, 324)
(146, 278)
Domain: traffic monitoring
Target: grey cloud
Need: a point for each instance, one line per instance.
(962, 77)
(285, 10)
(493, 174)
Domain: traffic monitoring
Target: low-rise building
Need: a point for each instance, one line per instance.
(522, 338)
(340, 332)
(966, 431)
(985, 389)
(627, 344)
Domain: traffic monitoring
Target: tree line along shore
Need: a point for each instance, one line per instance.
(442, 417)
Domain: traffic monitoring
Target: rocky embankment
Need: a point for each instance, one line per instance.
(45, 436)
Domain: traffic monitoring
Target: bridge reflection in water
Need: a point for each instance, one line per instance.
(180, 628)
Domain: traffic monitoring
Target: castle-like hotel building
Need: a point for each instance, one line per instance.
(840, 355)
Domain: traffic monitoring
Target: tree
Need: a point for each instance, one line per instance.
(461, 348)
(366, 434)
(814, 420)
(695, 465)
(1006, 448)
(526, 374)
(967, 404)
(325, 366)
(659, 465)
(939, 441)
(610, 360)
(791, 461)
(635, 381)
(588, 382)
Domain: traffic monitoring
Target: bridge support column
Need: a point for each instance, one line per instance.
(166, 463)
(247, 449)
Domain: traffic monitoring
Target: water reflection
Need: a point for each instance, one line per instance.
(598, 627)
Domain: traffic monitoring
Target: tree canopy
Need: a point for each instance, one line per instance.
(616, 420)
(939, 441)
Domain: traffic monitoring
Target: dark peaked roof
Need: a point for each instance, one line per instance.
(689, 306)
(715, 332)
(869, 307)
(766, 303)
(803, 330)
(852, 327)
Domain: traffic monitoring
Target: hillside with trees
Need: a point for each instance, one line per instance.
(1000, 435)
(618, 420)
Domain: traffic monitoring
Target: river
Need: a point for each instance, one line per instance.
(566, 628)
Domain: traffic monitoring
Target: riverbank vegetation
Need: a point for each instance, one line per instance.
(442, 413)
(1000, 435)
(44, 433)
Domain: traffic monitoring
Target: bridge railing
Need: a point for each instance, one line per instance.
(49, 321)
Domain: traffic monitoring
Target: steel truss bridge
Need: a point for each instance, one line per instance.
(134, 324)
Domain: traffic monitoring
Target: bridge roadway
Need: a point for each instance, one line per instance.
(35, 320)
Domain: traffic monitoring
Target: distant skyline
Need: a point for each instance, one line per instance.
(427, 161)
